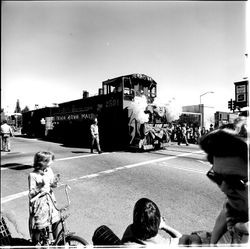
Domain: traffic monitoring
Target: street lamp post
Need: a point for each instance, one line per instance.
(204, 94)
(201, 108)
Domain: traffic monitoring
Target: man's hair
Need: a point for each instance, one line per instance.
(42, 158)
(146, 219)
(230, 140)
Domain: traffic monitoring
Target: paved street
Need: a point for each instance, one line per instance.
(104, 188)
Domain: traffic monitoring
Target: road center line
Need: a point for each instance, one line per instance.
(13, 197)
(76, 157)
(25, 193)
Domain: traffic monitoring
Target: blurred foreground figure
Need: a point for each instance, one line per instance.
(227, 151)
(147, 222)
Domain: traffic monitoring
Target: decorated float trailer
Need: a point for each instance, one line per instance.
(127, 116)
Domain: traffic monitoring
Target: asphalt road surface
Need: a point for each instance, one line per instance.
(105, 187)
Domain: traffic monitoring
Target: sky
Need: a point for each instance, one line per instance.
(52, 51)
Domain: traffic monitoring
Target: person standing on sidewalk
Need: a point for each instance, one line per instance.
(95, 136)
(184, 134)
(178, 134)
(6, 133)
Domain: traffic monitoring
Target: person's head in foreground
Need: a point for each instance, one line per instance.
(227, 151)
(146, 219)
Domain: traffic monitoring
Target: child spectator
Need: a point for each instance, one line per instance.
(147, 221)
(41, 181)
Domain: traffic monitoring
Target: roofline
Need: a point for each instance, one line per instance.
(130, 75)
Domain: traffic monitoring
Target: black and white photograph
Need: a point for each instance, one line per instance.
(124, 123)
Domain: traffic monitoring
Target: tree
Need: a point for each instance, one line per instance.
(26, 109)
(18, 108)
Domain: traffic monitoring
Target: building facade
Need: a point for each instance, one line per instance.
(204, 114)
(223, 118)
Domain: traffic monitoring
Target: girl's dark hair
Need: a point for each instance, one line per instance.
(146, 219)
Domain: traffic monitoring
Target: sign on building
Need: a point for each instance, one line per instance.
(241, 93)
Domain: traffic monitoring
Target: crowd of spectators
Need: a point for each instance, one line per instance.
(187, 133)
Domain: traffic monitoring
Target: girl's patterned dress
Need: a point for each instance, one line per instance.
(42, 211)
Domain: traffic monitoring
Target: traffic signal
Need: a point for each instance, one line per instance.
(234, 105)
(230, 104)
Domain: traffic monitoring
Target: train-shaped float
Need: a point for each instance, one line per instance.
(126, 113)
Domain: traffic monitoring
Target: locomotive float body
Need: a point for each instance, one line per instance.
(126, 113)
